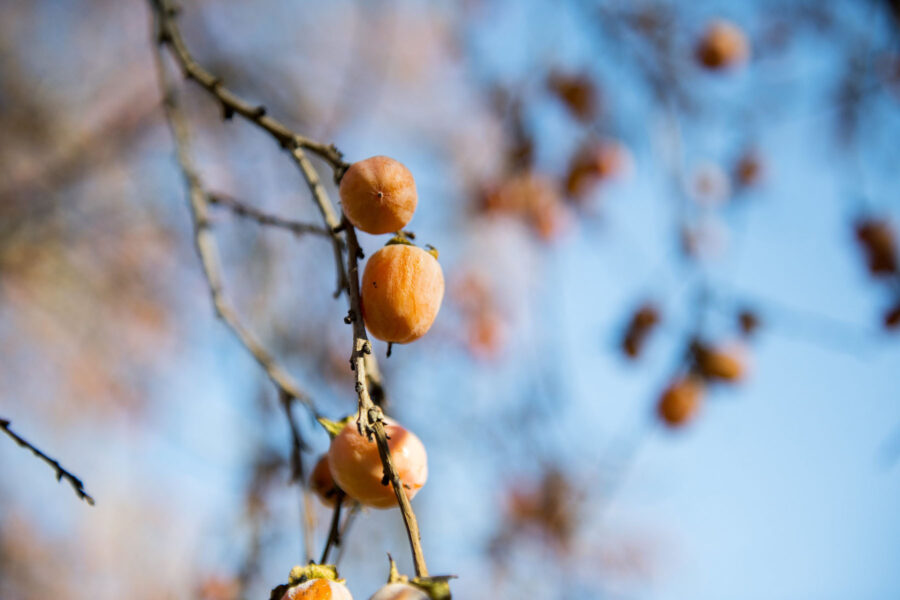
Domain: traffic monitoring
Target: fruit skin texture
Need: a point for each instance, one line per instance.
(322, 483)
(399, 591)
(378, 195)
(680, 401)
(356, 465)
(318, 589)
(723, 45)
(402, 289)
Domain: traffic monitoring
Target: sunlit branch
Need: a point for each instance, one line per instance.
(207, 247)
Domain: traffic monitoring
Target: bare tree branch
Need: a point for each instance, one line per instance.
(207, 248)
(265, 219)
(370, 415)
(169, 34)
(61, 473)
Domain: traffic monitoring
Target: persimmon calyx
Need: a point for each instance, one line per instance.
(437, 587)
(333, 428)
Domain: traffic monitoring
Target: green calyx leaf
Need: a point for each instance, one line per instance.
(313, 571)
(334, 427)
(437, 587)
(303, 574)
(400, 238)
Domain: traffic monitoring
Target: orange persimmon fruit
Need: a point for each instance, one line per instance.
(322, 483)
(378, 195)
(318, 589)
(680, 401)
(399, 591)
(402, 290)
(357, 469)
(722, 46)
(723, 364)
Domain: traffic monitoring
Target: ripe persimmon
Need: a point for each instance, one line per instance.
(402, 290)
(378, 195)
(356, 465)
(399, 591)
(723, 45)
(318, 589)
(724, 363)
(680, 401)
(322, 483)
(605, 160)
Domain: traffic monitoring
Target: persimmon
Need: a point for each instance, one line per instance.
(892, 317)
(399, 591)
(722, 46)
(642, 323)
(680, 401)
(748, 322)
(318, 589)
(322, 483)
(878, 241)
(378, 195)
(599, 161)
(577, 92)
(724, 363)
(402, 290)
(486, 335)
(710, 185)
(356, 465)
(749, 170)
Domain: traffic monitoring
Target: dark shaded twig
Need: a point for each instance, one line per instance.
(298, 445)
(61, 473)
(254, 214)
(334, 531)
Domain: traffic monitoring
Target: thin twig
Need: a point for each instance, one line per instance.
(307, 515)
(345, 528)
(371, 420)
(334, 531)
(263, 218)
(207, 248)
(61, 473)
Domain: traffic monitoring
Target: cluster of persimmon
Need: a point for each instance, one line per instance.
(682, 398)
(722, 46)
(401, 293)
(877, 239)
(402, 284)
(532, 197)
